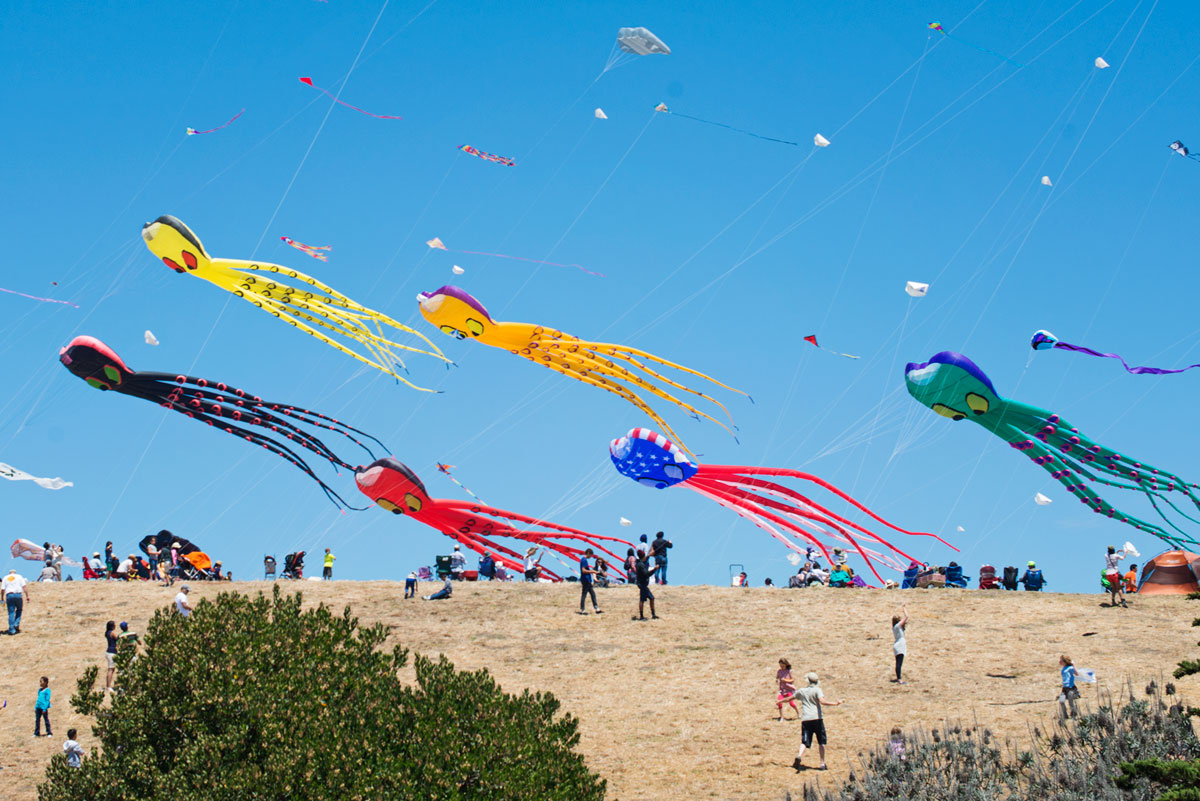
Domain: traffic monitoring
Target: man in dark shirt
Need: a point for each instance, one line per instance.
(587, 573)
(642, 573)
(659, 549)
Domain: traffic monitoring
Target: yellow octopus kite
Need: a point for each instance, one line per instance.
(180, 249)
(460, 315)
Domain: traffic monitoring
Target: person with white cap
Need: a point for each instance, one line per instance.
(14, 590)
(458, 563)
(1112, 574)
(181, 601)
(812, 719)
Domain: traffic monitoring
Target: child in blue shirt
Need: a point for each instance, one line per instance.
(1070, 693)
(41, 710)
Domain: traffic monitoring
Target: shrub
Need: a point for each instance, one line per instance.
(256, 698)
(1076, 760)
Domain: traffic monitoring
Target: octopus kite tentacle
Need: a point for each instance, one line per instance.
(598, 364)
(955, 387)
(276, 427)
(309, 308)
(653, 460)
(393, 486)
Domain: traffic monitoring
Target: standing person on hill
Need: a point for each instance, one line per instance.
(787, 688)
(41, 710)
(900, 644)
(110, 561)
(1070, 693)
(182, 606)
(643, 548)
(587, 575)
(110, 653)
(14, 589)
(631, 566)
(812, 719)
(327, 571)
(659, 549)
(175, 568)
(642, 574)
(152, 556)
(1112, 572)
(410, 585)
(1130, 579)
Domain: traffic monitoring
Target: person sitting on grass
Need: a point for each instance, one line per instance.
(444, 592)
(840, 577)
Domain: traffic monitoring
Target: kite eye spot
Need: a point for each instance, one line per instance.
(189, 259)
(412, 501)
(652, 482)
(946, 411)
(112, 373)
(978, 403)
(171, 263)
(474, 326)
(384, 503)
(97, 383)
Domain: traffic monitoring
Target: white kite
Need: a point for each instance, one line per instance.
(916, 289)
(641, 42)
(436, 244)
(457, 270)
(600, 115)
(1101, 64)
(961, 529)
(13, 474)
(1046, 181)
(626, 522)
(1042, 500)
(150, 338)
(820, 141)
(662, 107)
(1086, 675)
(1129, 549)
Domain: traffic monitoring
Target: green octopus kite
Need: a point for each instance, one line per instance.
(954, 386)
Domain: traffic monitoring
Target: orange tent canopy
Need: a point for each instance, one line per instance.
(200, 560)
(1170, 573)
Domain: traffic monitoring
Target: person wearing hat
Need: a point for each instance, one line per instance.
(458, 564)
(14, 590)
(532, 568)
(175, 549)
(181, 601)
(812, 719)
(125, 568)
(1112, 572)
(410, 585)
(1033, 578)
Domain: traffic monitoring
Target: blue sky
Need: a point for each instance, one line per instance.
(721, 252)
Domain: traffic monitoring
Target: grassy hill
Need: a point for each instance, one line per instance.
(682, 707)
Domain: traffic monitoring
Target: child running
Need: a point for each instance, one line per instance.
(787, 688)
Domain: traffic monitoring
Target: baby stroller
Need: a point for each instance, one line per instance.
(987, 578)
(195, 566)
(1010, 578)
(269, 567)
(293, 565)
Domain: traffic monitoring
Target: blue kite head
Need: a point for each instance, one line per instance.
(953, 386)
(650, 459)
(1043, 340)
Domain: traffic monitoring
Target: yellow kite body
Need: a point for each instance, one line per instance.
(289, 295)
(598, 364)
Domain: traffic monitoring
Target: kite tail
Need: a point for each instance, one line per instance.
(445, 470)
(776, 471)
(277, 448)
(1134, 370)
(237, 272)
(505, 530)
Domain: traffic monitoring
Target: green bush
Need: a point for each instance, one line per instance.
(256, 698)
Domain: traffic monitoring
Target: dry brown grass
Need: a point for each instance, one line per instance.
(682, 707)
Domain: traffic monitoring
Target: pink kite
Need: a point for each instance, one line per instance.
(312, 250)
(437, 244)
(488, 156)
(309, 82)
(193, 131)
